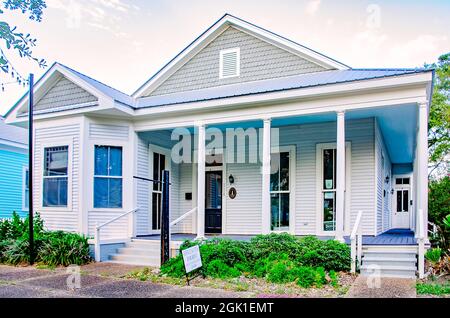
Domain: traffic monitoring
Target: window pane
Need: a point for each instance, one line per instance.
(284, 171)
(100, 192)
(398, 181)
(328, 169)
(284, 212)
(55, 192)
(26, 198)
(275, 172)
(405, 200)
(156, 210)
(101, 161)
(115, 161)
(329, 214)
(56, 160)
(405, 180)
(399, 201)
(156, 186)
(213, 190)
(115, 193)
(275, 210)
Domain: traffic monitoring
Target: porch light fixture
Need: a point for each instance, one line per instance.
(387, 179)
(231, 179)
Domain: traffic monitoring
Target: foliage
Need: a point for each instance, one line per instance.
(50, 248)
(279, 258)
(18, 41)
(62, 248)
(433, 255)
(433, 288)
(439, 118)
(439, 209)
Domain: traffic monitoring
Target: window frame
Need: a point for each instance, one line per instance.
(24, 183)
(237, 50)
(65, 142)
(104, 176)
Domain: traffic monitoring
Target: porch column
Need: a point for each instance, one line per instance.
(201, 182)
(422, 164)
(340, 176)
(265, 218)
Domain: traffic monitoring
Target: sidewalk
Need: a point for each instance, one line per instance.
(365, 287)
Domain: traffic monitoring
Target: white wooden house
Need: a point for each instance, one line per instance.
(339, 151)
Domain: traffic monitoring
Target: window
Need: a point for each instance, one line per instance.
(159, 165)
(55, 176)
(108, 177)
(329, 189)
(279, 191)
(26, 189)
(229, 63)
(402, 181)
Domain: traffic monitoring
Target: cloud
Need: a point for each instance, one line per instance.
(99, 14)
(312, 7)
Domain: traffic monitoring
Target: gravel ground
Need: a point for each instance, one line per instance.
(96, 280)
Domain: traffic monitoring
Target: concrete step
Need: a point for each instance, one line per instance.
(138, 251)
(397, 254)
(388, 260)
(406, 271)
(135, 259)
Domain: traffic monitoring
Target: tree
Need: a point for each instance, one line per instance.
(17, 41)
(439, 121)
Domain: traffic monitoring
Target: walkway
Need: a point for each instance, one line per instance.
(366, 287)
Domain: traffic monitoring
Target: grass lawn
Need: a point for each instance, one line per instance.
(433, 288)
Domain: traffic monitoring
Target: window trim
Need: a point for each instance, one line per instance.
(24, 182)
(237, 50)
(65, 142)
(319, 187)
(105, 176)
(292, 150)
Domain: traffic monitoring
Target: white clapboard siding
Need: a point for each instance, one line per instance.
(119, 132)
(243, 214)
(54, 219)
(185, 186)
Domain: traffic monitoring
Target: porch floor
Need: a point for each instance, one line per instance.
(391, 237)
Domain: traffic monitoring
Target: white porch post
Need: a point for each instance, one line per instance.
(340, 176)
(201, 182)
(265, 218)
(422, 165)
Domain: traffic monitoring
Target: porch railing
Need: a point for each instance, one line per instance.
(356, 243)
(97, 235)
(181, 218)
(421, 244)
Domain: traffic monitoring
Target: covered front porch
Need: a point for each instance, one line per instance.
(306, 174)
(392, 237)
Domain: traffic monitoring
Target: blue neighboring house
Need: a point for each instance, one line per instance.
(13, 170)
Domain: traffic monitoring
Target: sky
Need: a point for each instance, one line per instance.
(123, 43)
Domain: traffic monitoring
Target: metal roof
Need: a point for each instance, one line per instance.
(273, 85)
(12, 133)
(107, 90)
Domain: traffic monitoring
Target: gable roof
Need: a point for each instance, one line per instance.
(273, 85)
(47, 80)
(13, 134)
(217, 28)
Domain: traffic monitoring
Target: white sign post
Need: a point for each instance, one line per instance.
(192, 259)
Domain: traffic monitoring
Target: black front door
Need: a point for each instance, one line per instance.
(213, 202)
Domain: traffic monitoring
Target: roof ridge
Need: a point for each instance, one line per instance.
(73, 70)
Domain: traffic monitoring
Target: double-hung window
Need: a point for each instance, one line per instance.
(55, 176)
(108, 177)
(280, 191)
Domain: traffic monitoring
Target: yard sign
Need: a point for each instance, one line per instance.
(192, 259)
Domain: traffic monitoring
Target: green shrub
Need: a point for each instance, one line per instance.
(433, 255)
(329, 254)
(62, 248)
(174, 267)
(264, 245)
(438, 209)
(306, 276)
(334, 280)
(219, 269)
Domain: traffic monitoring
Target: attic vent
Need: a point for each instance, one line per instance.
(229, 63)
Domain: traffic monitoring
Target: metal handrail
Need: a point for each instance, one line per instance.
(181, 218)
(97, 247)
(356, 242)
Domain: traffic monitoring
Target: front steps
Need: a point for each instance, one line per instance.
(389, 261)
(141, 252)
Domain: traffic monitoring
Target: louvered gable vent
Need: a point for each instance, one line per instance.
(229, 63)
